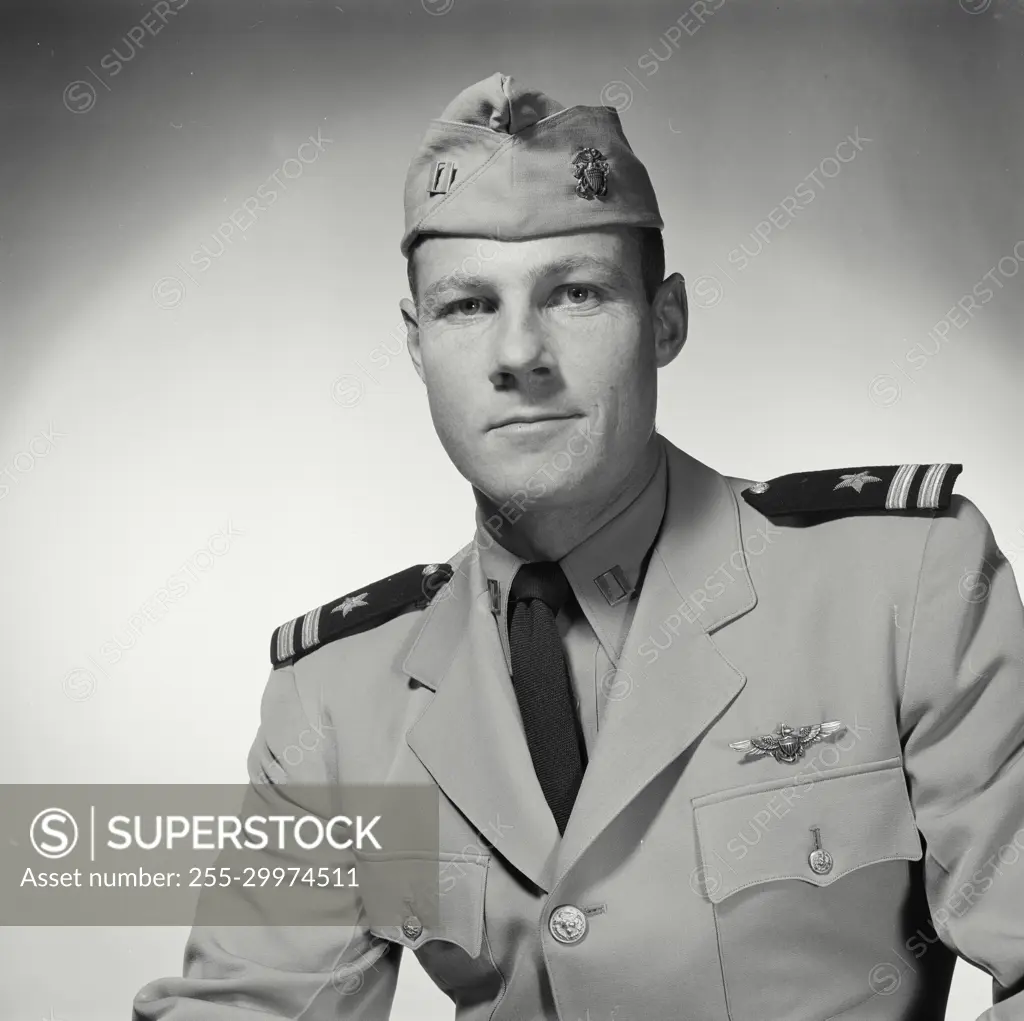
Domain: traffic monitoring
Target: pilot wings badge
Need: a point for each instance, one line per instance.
(787, 744)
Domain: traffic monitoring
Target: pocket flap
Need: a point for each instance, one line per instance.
(456, 914)
(862, 814)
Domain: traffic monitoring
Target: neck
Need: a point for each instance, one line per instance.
(549, 533)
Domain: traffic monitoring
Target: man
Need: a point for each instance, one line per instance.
(705, 749)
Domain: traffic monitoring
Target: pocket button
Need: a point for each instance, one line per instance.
(820, 861)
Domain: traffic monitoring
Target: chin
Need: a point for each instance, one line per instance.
(527, 478)
(538, 487)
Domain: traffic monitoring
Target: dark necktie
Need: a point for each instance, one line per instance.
(541, 681)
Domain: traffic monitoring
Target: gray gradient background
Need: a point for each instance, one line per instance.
(270, 395)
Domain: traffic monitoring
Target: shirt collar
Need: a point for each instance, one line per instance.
(604, 571)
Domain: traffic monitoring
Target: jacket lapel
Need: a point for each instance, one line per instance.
(676, 680)
(470, 737)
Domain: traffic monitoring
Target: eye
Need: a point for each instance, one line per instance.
(576, 296)
(465, 308)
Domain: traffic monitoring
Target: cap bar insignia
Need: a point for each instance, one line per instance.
(590, 169)
(441, 177)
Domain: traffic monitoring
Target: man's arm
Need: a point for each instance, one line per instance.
(302, 973)
(962, 725)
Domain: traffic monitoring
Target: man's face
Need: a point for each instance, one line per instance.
(539, 361)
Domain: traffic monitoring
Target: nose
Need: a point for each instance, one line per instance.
(523, 358)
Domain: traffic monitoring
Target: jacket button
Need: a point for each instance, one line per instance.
(412, 927)
(568, 924)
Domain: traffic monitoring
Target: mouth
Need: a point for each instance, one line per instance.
(531, 423)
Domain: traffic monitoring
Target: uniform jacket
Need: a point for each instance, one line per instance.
(690, 860)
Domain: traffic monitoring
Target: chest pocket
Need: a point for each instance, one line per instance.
(808, 880)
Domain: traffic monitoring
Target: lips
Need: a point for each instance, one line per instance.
(532, 419)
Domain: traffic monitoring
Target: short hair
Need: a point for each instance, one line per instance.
(650, 247)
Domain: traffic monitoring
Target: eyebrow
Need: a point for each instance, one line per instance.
(557, 267)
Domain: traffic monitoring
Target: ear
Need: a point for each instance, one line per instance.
(671, 314)
(412, 338)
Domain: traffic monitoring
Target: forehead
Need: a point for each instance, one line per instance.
(437, 258)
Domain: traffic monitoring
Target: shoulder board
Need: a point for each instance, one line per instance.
(894, 487)
(411, 589)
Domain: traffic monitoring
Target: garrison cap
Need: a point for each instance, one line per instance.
(508, 162)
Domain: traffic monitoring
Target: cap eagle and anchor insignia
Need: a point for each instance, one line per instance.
(411, 589)
(590, 169)
(894, 487)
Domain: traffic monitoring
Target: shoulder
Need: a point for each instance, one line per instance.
(366, 607)
(812, 496)
(905, 526)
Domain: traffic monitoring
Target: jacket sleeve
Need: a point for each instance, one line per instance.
(962, 729)
(302, 973)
